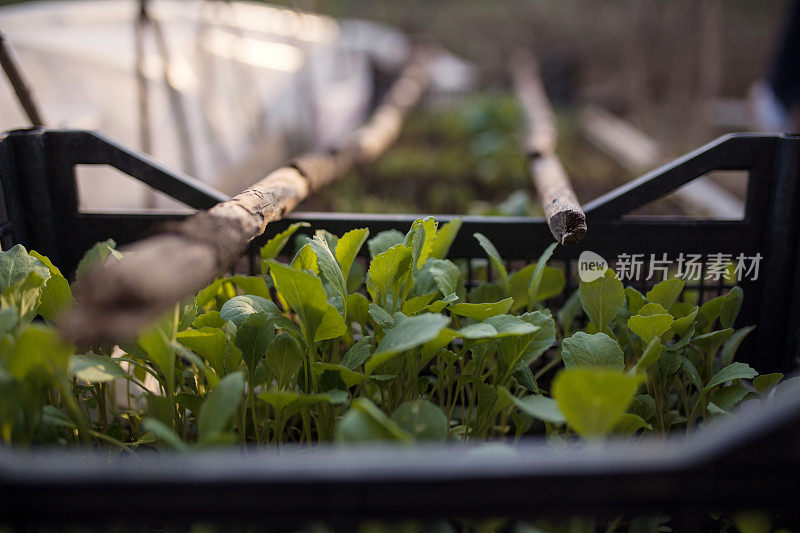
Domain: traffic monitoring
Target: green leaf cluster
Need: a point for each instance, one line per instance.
(350, 338)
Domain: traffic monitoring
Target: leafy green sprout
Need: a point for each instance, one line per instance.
(320, 349)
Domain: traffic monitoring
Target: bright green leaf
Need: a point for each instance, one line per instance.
(534, 289)
(158, 346)
(651, 326)
(56, 297)
(284, 358)
(730, 346)
(239, 308)
(666, 293)
(39, 352)
(329, 267)
(650, 355)
(384, 241)
(253, 337)
(95, 257)
(482, 311)
(551, 284)
(537, 406)
(731, 304)
(208, 342)
(253, 285)
(410, 333)
(417, 304)
(386, 272)
(602, 299)
(163, 433)
(710, 342)
(365, 422)
(304, 293)
(494, 257)
(358, 353)
(766, 382)
(635, 300)
(597, 351)
(422, 237)
(594, 400)
(348, 247)
(357, 308)
(95, 368)
(447, 276)
(731, 372)
(630, 423)
(692, 372)
(15, 266)
(277, 243)
(219, 407)
(422, 420)
(444, 238)
(304, 260)
(348, 376)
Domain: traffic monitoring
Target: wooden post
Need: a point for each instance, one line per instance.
(116, 300)
(564, 214)
(635, 151)
(23, 92)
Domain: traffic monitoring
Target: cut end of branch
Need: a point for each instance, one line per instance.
(568, 227)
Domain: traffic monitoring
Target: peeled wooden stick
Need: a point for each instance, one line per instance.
(634, 150)
(24, 94)
(564, 214)
(116, 300)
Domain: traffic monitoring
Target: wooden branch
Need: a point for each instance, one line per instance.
(542, 134)
(565, 217)
(116, 300)
(623, 142)
(635, 151)
(23, 92)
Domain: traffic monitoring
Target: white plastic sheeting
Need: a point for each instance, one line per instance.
(256, 84)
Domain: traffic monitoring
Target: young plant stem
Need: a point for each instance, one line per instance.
(542, 371)
(473, 397)
(305, 414)
(63, 385)
(700, 400)
(100, 397)
(111, 440)
(251, 398)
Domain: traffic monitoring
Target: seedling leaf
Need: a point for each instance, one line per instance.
(277, 243)
(666, 293)
(219, 407)
(444, 238)
(95, 368)
(284, 358)
(422, 420)
(731, 372)
(597, 351)
(494, 257)
(482, 311)
(594, 400)
(602, 299)
(238, 308)
(348, 247)
(365, 422)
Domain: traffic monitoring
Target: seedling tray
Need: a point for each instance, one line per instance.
(750, 463)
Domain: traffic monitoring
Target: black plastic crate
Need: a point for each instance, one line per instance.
(752, 463)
